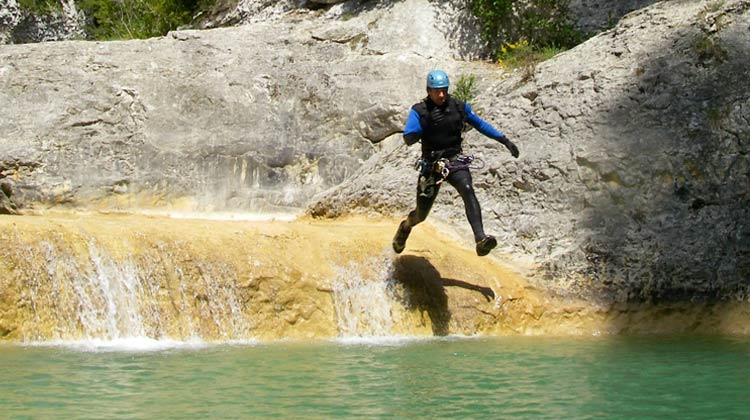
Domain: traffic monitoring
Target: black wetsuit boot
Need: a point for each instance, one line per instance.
(402, 234)
(485, 245)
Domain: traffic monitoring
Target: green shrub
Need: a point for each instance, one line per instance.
(716, 115)
(534, 28)
(39, 7)
(709, 49)
(522, 54)
(127, 19)
(465, 89)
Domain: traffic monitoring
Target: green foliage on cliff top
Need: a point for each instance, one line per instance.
(126, 19)
(537, 24)
(39, 7)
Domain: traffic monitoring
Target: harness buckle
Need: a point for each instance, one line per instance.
(442, 167)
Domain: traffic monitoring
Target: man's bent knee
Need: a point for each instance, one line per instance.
(416, 218)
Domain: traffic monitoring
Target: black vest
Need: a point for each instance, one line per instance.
(441, 127)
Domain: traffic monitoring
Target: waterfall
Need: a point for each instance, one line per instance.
(108, 298)
(97, 296)
(363, 298)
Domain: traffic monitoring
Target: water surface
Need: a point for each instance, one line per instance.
(518, 377)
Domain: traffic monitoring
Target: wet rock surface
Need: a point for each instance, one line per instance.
(70, 276)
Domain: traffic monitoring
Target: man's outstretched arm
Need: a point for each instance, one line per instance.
(488, 130)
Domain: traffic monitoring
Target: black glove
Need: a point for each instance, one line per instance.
(509, 144)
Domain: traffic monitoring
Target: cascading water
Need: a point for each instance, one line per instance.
(107, 298)
(363, 306)
(99, 297)
(368, 300)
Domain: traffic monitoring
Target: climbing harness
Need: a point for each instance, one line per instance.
(443, 167)
(433, 173)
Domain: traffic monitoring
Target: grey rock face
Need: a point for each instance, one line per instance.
(633, 179)
(633, 176)
(428, 28)
(234, 12)
(257, 117)
(597, 15)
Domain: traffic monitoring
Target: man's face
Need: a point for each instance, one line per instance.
(437, 95)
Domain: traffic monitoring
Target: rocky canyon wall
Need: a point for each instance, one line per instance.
(632, 181)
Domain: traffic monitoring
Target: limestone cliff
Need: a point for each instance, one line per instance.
(632, 181)
(20, 25)
(255, 117)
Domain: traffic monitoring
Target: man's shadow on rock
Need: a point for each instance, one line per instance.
(425, 288)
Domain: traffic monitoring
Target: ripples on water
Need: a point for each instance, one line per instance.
(519, 377)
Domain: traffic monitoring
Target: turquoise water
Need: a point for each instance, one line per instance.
(472, 378)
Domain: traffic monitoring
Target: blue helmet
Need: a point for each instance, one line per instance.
(437, 79)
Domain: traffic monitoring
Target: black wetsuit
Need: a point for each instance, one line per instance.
(439, 128)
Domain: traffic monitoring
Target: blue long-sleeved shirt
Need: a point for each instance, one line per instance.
(413, 127)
